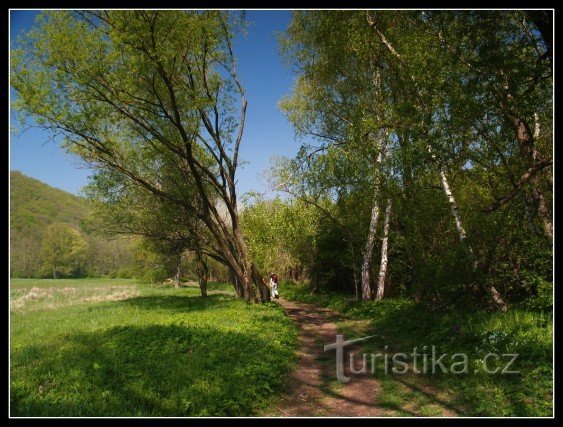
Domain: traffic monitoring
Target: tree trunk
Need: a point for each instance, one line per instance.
(384, 253)
(368, 251)
(265, 294)
(453, 206)
(54, 271)
(202, 273)
(531, 156)
(526, 205)
(454, 209)
(235, 283)
(491, 290)
(543, 212)
(178, 274)
(356, 284)
(370, 242)
(543, 20)
(251, 278)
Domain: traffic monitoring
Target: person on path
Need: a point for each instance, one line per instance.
(274, 285)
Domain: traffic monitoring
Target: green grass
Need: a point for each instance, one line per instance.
(402, 324)
(112, 347)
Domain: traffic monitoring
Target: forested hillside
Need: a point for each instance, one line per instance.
(34, 206)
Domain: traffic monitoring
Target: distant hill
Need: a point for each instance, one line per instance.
(35, 205)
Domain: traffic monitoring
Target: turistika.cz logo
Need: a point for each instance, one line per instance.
(425, 361)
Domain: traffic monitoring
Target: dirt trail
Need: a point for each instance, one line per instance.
(314, 389)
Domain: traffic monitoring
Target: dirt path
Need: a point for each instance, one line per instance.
(315, 390)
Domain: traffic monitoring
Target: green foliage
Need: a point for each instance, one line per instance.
(279, 235)
(150, 266)
(63, 252)
(145, 351)
(449, 92)
(122, 273)
(153, 102)
(34, 206)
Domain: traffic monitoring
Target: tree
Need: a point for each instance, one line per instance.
(279, 235)
(122, 207)
(456, 92)
(340, 99)
(63, 251)
(133, 91)
(512, 67)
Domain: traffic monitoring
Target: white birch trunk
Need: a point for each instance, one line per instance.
(374, 217)
(495, 295)
(384, 253)
(454, 209)
(370, 242)
(368, 251)
(543, 211)
(492, 291)
(537, 129)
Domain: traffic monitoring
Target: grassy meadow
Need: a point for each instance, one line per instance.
(114, 347)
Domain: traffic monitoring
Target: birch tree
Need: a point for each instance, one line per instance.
(339, 100)
(423, 99)
(384, 252)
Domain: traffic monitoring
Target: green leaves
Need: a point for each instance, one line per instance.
(63, 251)
(452, 82)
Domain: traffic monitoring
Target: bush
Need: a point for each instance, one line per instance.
(123, 273)
(154, 275)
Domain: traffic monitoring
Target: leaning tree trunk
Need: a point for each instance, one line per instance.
(384, 253)
(531, 156)
(254, 287)
(462, 235)
(234, 253)
(235, 283)
(491, 290)
(264, 289)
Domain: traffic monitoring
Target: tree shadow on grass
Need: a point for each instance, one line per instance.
(177, 303)
(156, 370)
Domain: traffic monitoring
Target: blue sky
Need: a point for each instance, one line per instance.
(267, 131)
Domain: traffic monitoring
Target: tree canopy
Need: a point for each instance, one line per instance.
(145, 94)
(404, 105)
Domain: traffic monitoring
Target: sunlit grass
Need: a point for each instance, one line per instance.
(159, 352)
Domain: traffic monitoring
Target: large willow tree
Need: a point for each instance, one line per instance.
(142, 92)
